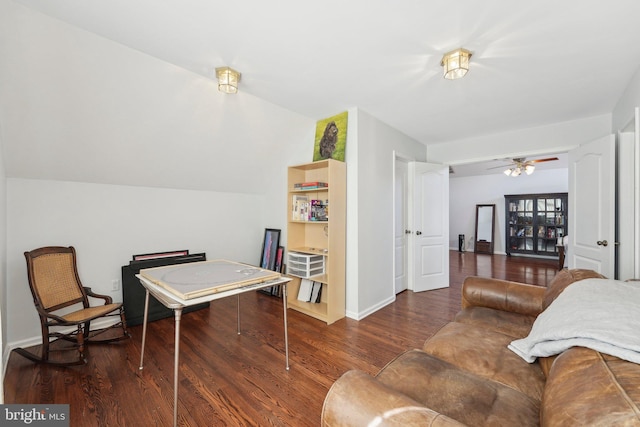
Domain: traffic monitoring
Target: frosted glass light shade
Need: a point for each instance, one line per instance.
(228, 79)
(455, 63)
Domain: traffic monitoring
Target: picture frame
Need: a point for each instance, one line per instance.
(157, 255)
(270, 245)
(279, 257)
(331, 138)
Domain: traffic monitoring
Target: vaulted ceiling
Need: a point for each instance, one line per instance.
(533, 63)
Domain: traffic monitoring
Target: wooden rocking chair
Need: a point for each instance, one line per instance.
(55, 285)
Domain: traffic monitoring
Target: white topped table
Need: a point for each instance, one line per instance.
(183, 285)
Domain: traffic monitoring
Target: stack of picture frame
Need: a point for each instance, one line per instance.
(272, 258)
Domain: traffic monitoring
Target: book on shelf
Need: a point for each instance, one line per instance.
(300, 208)
(310, 185)
(318, 211)
(316, 292)
(310, 291)
(306, 288)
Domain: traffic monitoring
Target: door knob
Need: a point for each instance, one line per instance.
(418, 232)
(407, 231)
(602, 243)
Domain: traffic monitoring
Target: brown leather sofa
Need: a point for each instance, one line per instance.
(466, 375)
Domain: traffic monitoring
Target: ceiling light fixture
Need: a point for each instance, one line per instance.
(228, 79)
(517, 170)
(455, 63)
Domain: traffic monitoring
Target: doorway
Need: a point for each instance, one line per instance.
(401, 222)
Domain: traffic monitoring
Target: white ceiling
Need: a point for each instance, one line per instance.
(534, 63)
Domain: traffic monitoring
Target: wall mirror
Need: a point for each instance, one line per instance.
(485, 220)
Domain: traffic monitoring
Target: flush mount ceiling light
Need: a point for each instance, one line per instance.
(228, 79)
(455, 63)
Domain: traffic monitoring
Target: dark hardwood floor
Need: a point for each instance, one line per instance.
(230, 379)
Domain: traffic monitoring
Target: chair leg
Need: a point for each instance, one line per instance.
(45, 342)
(87, 329)
(80, 339)
(125, 331)
(44, 358)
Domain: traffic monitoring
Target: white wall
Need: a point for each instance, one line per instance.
(3, 268)
(466, 192)
(107, 224)
(555, 138)
(370, 180)
(624, 110)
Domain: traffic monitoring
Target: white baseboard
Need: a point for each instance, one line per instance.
(362, 314)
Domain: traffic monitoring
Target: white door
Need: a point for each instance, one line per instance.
(430, 227)
(592, 206)
(401, 225)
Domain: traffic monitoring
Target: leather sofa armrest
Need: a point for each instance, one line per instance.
(357, 399)
(502, 295)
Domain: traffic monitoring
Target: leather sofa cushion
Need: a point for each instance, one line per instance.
(509, 323)
(460, 395)
(502, 295)
(563, 279)
(586, 388)
(484, 353)
(357, 399)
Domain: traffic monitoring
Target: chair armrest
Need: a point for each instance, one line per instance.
(357, 399)
(107, 299)
(502, 295)
(51, 316)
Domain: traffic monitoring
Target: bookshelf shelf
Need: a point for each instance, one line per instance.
(319, 237)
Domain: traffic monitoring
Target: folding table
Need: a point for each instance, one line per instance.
(179, 286)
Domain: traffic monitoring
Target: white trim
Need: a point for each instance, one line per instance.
(362, 314)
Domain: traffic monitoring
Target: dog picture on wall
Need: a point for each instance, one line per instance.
(331, 138)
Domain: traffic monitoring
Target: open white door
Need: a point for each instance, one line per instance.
(430, 226)
(401, 225)
(592, 218)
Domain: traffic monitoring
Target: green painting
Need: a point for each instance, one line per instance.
(331, 138)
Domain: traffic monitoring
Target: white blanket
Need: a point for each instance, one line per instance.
(599, 314)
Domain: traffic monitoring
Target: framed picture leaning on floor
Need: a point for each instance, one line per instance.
(270, 245)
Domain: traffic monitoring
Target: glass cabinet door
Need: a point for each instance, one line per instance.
(535, 223)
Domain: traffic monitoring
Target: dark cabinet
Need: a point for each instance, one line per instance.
(133, 293)
(535, 223)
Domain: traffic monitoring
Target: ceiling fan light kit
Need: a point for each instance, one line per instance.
(521, 164)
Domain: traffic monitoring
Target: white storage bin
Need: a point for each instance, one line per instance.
(305, 265)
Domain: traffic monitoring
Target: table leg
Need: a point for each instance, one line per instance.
(144, 327)
(286, 332)
(238, 314)
(176, 356)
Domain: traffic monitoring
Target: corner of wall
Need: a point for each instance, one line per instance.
(351, 157)
(3, 268)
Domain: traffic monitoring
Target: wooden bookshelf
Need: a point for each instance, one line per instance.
(326, 238)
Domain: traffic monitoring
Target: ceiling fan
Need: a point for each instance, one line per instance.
(521, 164)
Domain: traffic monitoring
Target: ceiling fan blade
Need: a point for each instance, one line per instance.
(549, 159)
(508, 164)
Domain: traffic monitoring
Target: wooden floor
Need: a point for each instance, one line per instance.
(230, 379)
